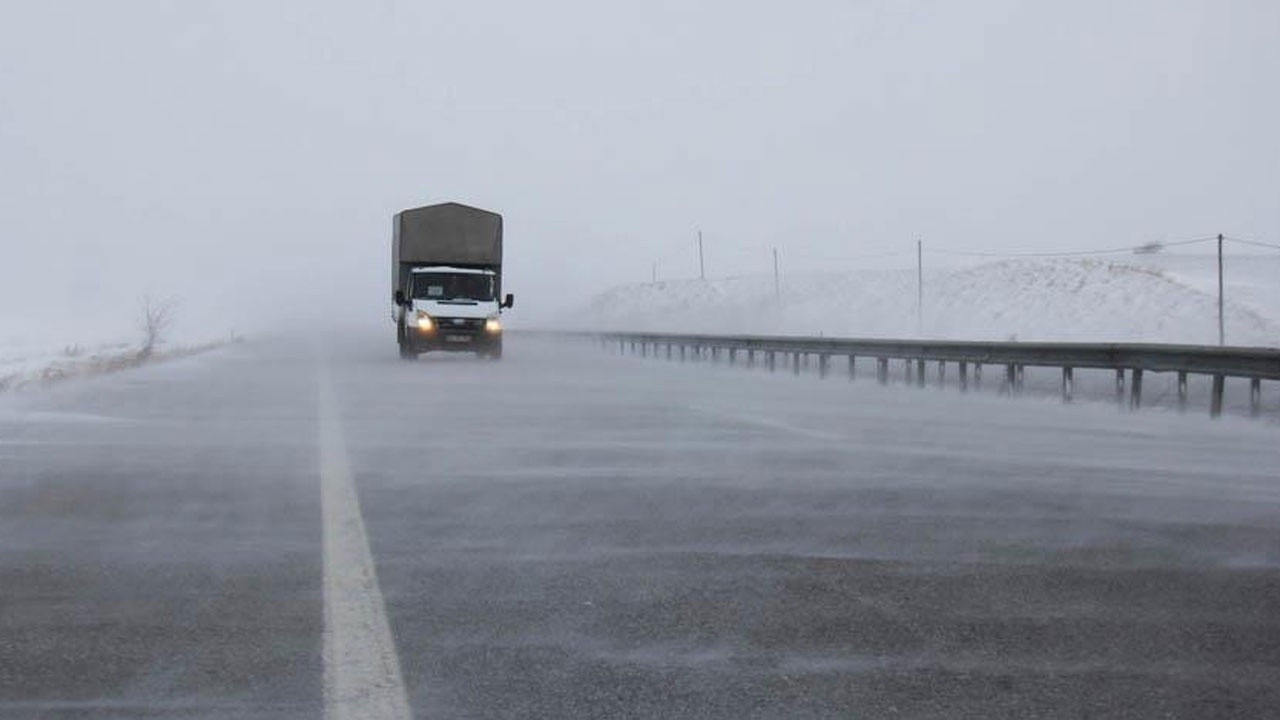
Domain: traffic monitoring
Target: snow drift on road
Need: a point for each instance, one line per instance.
(1058, 299)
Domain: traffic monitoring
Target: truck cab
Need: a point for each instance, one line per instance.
(453, 309)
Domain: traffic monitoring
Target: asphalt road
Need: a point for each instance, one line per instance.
(276, 530)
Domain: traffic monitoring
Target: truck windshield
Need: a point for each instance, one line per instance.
(452, 286)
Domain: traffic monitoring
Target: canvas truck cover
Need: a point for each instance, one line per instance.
(445, 234)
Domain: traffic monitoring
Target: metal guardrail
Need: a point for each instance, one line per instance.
(1256, 364)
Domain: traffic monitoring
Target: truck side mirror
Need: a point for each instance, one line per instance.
(510, 301)
(399, 297)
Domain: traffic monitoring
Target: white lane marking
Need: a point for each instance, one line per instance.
(361, 669)
(766, 422)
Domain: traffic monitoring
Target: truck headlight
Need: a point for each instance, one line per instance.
(493, 325)
(423, 321)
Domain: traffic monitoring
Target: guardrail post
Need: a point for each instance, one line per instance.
(1135, 393)
(920, 372)
(823, 361)
(882, 371)
(977, 376)
(1011, 377)
(668, 351)
(1255, 397)
(770, 359)
(1215, 399)
(1068, 384)
(964, 376)
(942, 374)
(907, 367)
(1120, 385)
(795, 363)
(1182, 390)
(682, 352)
(853, 368)
(1019, 375)
(751, 358)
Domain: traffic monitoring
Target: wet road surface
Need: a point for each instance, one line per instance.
(569, 534)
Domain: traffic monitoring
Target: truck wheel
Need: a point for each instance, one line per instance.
(406, 350)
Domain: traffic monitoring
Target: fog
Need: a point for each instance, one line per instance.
(264, 530)
(247, 157)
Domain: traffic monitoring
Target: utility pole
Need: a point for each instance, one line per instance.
(702, 266)
(777, 286)
(919, 287)
(1222, 331)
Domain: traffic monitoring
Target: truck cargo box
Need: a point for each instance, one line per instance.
(444, 234)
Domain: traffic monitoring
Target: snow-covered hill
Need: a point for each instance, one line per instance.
(1059, 299)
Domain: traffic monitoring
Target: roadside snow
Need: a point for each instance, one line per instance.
(1148, 299)
(22, 365)
(34, 354)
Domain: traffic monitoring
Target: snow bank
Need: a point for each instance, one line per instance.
(1058, 299)
(39, 351)
(26, 369)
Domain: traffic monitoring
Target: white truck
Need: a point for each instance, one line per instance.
(446, 279)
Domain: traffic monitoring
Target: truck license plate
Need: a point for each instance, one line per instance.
(457, 338)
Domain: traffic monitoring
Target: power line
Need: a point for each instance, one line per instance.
(1255, 243)
(1069, 253)
(750, 251)
(863, 256)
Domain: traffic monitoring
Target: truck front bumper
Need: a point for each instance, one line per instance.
(452, 340)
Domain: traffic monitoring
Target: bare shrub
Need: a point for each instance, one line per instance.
(157, 318)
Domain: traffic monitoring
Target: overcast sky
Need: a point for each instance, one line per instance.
(247, 155)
